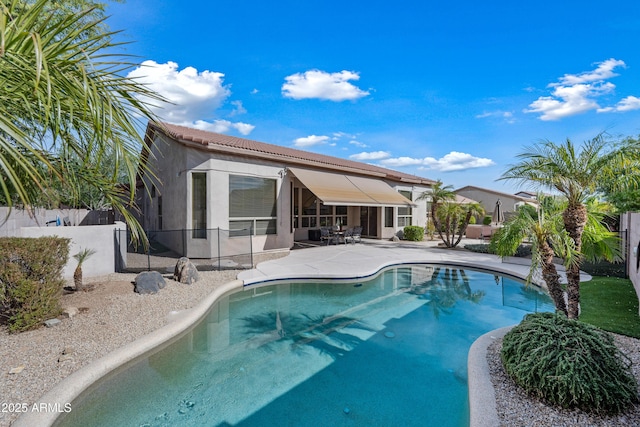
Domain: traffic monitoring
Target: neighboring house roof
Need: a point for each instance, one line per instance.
(497, 193)
(216, 142)
(527, 194)
(461, 200)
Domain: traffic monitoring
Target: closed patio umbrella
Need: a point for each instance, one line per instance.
(498, 214)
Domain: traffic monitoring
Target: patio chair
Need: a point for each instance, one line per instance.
(357, 231)
(326, 235)
(348, 235)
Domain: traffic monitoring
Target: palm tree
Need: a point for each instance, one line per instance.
(575, 173)
(545, 233)
(81, 257)
(438, 194)
(453, 219)
(63, 90)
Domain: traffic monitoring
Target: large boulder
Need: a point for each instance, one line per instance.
(185, 271)
(149, 282)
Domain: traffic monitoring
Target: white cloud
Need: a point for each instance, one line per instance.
(604, 71)
(194, 96)
(507, 116)
(577, 93)
(401, 161)
(239, 108)
(374, 155)
(221, 126)
(341, 135)
(322, 85)
(454, 161)
(627, 104)
(358, 143)
(311, 140)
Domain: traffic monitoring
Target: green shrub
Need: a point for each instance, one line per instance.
(413, 233)
(31, 280)
(569, 363)
(486, 220)
(481, 248)
(472, 220)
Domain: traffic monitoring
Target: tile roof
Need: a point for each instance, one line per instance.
(246, 147)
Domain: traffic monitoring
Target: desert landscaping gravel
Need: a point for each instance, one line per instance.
(110, 316)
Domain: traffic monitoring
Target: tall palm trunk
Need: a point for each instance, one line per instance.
(551, 276)
(575, 219)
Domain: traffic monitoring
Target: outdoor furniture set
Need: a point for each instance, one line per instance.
(334, 234)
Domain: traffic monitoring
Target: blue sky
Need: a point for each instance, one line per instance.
(443, 90)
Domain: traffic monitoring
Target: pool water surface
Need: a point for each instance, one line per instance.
(388, 351)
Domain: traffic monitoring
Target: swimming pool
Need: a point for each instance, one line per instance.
(387, 351)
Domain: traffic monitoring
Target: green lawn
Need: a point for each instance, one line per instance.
(610, 303)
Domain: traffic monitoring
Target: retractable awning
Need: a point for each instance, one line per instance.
(349, 190)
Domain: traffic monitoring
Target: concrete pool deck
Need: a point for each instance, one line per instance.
(367, 258)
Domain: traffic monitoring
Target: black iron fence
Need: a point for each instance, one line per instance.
(208, 249)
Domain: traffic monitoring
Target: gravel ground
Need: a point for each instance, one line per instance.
(116, 316)
(517, 409)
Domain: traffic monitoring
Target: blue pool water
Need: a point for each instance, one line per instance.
(389, 351)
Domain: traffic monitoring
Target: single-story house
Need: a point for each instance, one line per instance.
(489, 198)
(202, 181)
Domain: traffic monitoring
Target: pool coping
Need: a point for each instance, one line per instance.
(72, 387)
(482, 398)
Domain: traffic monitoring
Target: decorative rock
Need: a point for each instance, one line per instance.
(149, 282)
(185, 271)
(69, 312)
(52, 322)
(17, 369)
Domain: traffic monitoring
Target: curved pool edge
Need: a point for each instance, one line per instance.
(482, 397)
(370, 272)
(70, 388)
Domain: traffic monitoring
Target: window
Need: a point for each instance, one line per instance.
(199, 205)
(326, 215)
(388, 216)
(404, 213)
(252, 204)
(308, 204)
(341, 215)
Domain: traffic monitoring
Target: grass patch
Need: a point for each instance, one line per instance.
(610, 303)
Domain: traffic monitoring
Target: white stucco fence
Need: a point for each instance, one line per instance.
(100, 238)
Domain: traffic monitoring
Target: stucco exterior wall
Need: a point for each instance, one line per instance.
(418, 213)
(100, 238)
(488, 200)
(174, 164)
(630, 222)
(13, 219)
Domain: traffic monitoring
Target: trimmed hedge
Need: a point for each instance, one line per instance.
(569, 363)
(31, 280)
(413, 233)
(486, 248)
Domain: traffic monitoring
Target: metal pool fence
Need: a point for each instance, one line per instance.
(208, 249)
